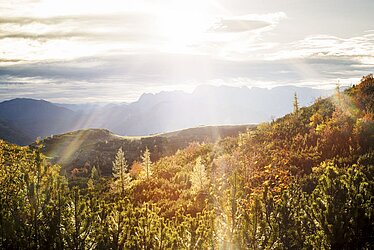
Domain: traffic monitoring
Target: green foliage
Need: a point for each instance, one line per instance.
(342, 208)
(32, 199)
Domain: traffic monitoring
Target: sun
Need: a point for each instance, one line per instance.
(183, 26)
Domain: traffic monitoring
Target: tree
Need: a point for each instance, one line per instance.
(295, 104)
(95, 174)
(120, 226)
(80, 225)
(199, 178)
(93, 178)
(339, 208)
(120, 170)
(147, 163)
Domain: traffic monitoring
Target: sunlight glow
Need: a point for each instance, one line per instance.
(137, 46)
(181, 27)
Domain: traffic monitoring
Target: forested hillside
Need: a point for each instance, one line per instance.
(78, 151)
(304, 181)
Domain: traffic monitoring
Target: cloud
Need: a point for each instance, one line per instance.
(132, 32)
(45, 36)
(23, 20)
(10, 60)
(83, 51)
(177, 69)
(357, 47)
(238, 25)
(125, 27)
(37, 38)
(126, 77)
(240, 37)
(247, 22)
(88, 36)
(128, 18)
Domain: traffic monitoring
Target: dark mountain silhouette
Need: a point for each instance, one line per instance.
(35, 118)
(155, 113)
(11, 133)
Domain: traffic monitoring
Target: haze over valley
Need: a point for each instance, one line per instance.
(23, 120)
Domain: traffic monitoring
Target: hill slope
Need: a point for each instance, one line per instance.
(97, 147)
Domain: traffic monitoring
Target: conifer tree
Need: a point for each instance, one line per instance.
(93, 178)
(199, 178)
(120, 170)
(95, 173)
(79, 226)
(147, 163)
(295, 104)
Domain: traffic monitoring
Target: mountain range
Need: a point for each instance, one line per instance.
(23, 120)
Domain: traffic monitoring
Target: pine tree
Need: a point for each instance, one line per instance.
(79, 227)
(120, 170)
(338, 96)
(199, 178)
(93, 178)
(295, 104)
(95, 174)
(147, 163)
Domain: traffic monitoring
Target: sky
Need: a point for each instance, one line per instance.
(77, 51)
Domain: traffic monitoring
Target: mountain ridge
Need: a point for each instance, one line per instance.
(97, 147)
(155, 113)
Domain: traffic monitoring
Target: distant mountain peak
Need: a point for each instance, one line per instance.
(157, 113)
(20, 99)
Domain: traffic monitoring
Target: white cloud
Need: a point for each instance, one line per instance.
(34, 38)
(247, 22)
(360, 48)
(121, 48)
